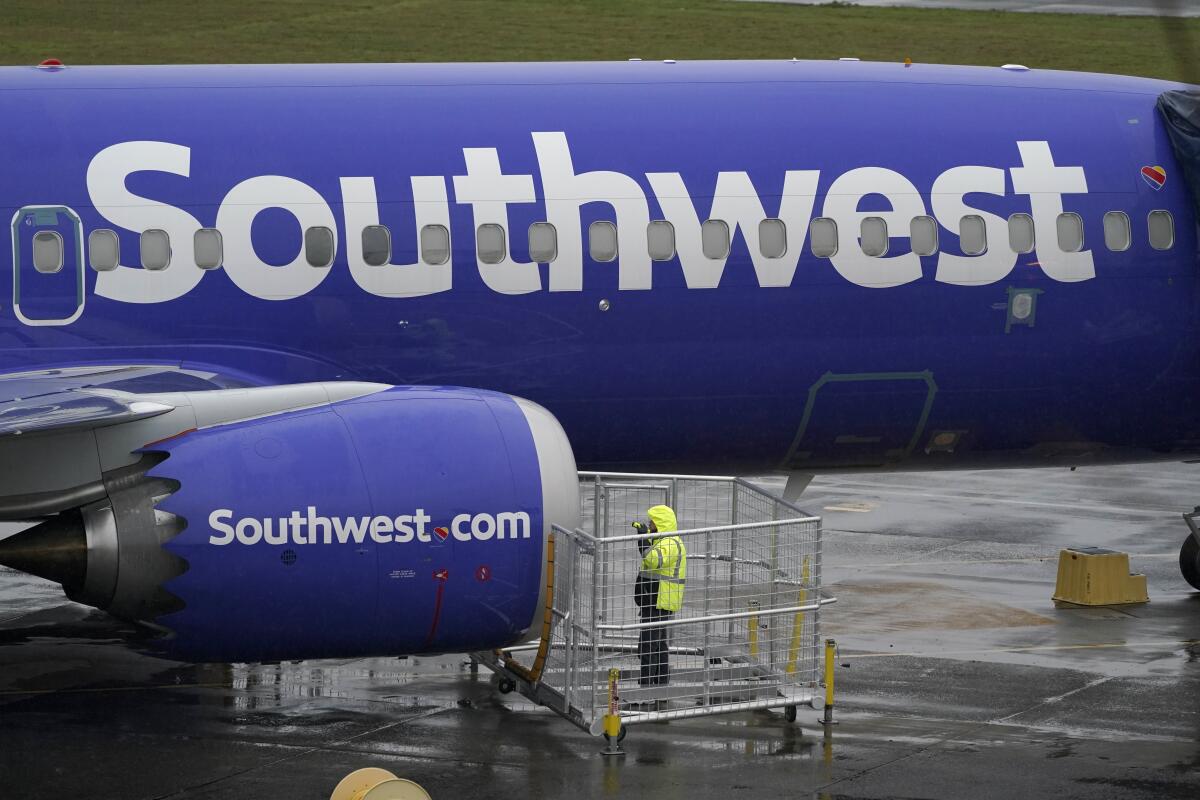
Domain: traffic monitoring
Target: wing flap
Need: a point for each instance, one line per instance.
(65, 410)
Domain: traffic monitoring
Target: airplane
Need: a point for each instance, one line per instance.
(301, 360)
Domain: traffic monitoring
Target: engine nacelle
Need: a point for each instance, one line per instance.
(405, 520)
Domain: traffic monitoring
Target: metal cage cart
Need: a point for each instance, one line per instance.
(747, 636)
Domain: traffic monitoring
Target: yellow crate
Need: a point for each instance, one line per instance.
(1093, 576)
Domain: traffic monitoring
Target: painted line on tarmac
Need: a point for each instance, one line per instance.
(150, 687)
(1032, 560)
(105, 689)
(1080, 505)
(1029, 649)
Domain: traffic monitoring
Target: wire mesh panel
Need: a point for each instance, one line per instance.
(610, 502)
(746, 634)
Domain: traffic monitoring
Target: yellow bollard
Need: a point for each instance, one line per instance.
(753, 623)
(830, 650)
(612, 720)
(798, 622)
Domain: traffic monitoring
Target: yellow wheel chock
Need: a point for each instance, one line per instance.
(372, 783)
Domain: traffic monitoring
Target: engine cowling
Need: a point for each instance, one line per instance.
(407, 520)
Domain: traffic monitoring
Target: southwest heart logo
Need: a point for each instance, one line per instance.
(1155, 176)
(442, 533)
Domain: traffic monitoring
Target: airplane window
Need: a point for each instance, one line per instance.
(772, 238)
(874, 235)
(489, 241)
(1162, 229)
(714, 238)
(318, 247)
(376, 245)
(823, 237)
(602, 240)
(660, 239)
(104, 250)
(972, 235)
(209, 248)
(543, 242)
(1070, 232)
(1116, 231)
(1020, 233)
(47, 252)
(155, 248)
(435, 244)
(923, 232)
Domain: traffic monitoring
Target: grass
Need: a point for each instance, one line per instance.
(238, 31)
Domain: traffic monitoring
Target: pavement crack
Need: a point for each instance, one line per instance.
(1056, 699)
(960, 734)
(301, 753)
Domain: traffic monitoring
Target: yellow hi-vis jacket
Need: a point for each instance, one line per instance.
(666, 560)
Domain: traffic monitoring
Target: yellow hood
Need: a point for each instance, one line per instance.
(663, 518)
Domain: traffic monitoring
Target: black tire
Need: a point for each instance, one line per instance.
(789, 713)
(1189, 561)
(620, 735)
(506, 686)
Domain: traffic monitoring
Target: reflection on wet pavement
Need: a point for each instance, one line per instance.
(957, 677)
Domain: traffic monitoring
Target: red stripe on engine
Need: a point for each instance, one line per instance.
(169, 438)
(437, 612)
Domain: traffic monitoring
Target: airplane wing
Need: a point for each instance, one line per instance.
(92, 396)
(72, 409)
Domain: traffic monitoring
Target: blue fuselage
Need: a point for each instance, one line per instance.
(758, 361)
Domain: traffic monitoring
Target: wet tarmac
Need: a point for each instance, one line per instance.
(958, 677)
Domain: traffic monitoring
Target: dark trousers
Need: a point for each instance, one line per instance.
(652, 648)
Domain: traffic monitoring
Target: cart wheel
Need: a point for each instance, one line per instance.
(506, 686)
(620, 735)
(789, 713)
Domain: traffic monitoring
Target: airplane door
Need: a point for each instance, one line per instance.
(862, 419)
(48, 265)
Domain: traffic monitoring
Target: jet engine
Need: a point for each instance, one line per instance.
(270, 525)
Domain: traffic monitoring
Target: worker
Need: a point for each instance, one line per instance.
(659, 590)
